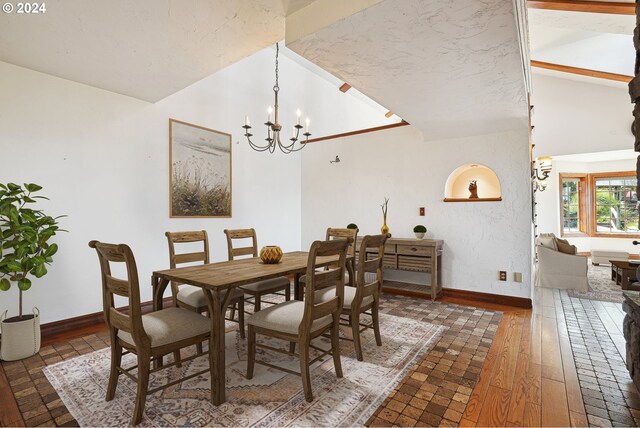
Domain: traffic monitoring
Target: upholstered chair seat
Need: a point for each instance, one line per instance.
(194, 296)
(349, 294)
(286, 318)
(268, 285)
(170, 325)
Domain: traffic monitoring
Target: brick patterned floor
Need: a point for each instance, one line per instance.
(435, 391)
(609, 396)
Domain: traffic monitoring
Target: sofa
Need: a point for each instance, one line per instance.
(558, 264)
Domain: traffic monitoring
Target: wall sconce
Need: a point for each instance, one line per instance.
(540, 173)
(336, 160)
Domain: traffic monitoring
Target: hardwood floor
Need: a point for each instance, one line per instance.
(529, 376)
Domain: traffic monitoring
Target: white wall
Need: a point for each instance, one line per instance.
(577, 117)
(548, 208)
(480, 238)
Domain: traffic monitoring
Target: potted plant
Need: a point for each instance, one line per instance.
(25, 252)
(352, 226)
(419, 230)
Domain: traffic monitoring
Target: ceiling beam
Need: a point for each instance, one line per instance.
(582, 71)
(617, 8)
(359, 131)
(345, 87)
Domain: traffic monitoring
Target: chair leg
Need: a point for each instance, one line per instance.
(287, 293)
(114, 374)
(241, 317)
(144, 364)
(335, 344)
(199, 348)
(177, 358)
(251, 353)
(256, 303)
(354, 320)
(304, 370)
(292, 347)
(376, 322)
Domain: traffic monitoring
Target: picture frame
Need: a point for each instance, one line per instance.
(200, 171)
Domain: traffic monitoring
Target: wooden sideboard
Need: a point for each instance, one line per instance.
(416, 255)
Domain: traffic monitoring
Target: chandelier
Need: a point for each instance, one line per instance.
(274, 128)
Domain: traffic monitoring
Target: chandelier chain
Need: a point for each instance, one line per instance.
(276, 88)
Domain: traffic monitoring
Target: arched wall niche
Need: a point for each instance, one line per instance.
(457, 185)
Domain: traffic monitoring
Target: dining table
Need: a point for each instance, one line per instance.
(216, 279)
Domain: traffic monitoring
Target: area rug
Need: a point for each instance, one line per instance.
(601, 287)
(271, 398)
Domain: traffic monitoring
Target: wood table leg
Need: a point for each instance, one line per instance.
(158, 286)
(297, 294)
(217, 307)
(435, 274)
(351, 269)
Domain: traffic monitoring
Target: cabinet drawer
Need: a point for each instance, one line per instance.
(422, 264)
(414, 250)
(390, 248)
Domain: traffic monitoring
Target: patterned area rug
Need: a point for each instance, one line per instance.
(601, 287)
(271, 398)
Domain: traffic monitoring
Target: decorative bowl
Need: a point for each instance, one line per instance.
(271, 254)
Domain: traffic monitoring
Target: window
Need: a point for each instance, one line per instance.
(573, 204)
(600, 204)
(614, 201)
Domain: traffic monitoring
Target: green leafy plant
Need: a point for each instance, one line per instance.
(352, 226)
(24, 234)
(420, 229)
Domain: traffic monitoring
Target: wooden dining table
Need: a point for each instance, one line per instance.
(217, 278)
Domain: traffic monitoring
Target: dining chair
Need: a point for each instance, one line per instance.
(365, 296)
(192, 297)
(260, 288)
(149, 336)
(340, 233)
(299, 322)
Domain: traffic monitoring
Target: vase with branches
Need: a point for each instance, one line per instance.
(385, 207)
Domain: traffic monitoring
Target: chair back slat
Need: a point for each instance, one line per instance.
(118, 286)
(370, 260)
(341, 233)
(232, 234)
(131, 321)
(175, 259)
(317, 279)
(326, 278)
(190, 258)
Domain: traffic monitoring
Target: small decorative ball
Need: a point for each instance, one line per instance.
(271, 254)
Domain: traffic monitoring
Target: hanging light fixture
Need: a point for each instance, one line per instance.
(541, 172)
(274, 128)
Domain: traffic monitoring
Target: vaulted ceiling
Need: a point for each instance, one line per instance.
(451, 68)
(147, 49)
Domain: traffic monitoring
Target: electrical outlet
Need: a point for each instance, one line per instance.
(422, 211)
(517, 277)
(503, 275)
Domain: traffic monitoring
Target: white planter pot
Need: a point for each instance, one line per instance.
(419, 235)
(20, 339)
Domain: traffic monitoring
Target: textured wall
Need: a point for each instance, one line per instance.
(480, 238)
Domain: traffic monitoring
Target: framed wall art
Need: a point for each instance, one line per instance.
(200, 171)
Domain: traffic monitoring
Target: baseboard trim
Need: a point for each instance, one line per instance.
(476, 296)
(60, 327)
(517, 302)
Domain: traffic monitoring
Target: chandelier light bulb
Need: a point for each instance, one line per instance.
(307, 121)
(246, 121)
(269, 110)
